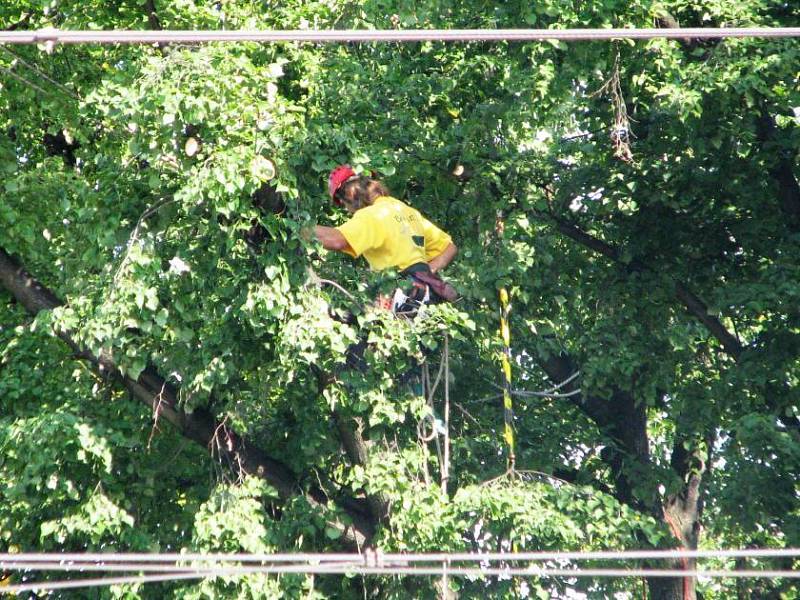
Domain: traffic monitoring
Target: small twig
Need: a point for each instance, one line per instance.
(36, 70)
(545, 475)
(10, 73)
(135, 234)
(241, 471)
(577, 136)
(503, 475)
(337, 286)
(216, 437)
(526, 394)
(159, 398)
(620, 137)
(488, 398)
(466, 413)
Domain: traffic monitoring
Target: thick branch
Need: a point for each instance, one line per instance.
(782, 161)
(351, 435)
(623, 420)
(199, 426)
(693, 304)
(152, 15)
(698, 308)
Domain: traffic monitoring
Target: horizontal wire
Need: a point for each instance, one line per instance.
(377, 557)
(392, 571)
(149, 567)
(341, 566)
(98, 582)
(391, 35)
(610, 555)
(563, 383)
(178, 556)
(527, 394)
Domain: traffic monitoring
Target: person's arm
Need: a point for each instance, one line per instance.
(442, 260)
(439, 247)
(332, 239)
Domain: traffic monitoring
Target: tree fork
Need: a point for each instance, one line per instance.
(730, 343)
(625, 421)
(199, 426)
(693, 304)
(351, 436)
(621, 419)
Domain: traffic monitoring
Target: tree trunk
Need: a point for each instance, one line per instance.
(668, 588)
(624, 421)
(681, 513)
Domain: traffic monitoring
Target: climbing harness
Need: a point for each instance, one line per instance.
(429, 428)
(426, 288)
(403, 305)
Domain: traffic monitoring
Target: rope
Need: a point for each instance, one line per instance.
(525, 394)
(549, 393)
(52, 36)
(446, 435)
(429, 391)
(508, 409)
(558, 386)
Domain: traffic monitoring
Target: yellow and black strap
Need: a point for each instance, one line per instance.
(508, 408)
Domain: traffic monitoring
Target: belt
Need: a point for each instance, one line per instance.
(416, 268)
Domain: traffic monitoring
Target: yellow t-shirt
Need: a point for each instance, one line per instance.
(391, 234)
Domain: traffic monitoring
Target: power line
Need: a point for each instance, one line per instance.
(153, 568)
(374, 556)
(51, 36)
(475, 572)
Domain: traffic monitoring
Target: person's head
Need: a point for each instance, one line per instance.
(353, 191)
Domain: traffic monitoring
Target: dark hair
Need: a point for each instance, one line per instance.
(366, 190)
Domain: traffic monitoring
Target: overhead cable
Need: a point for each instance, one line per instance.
(153, 568)
(377, 556)
(475, 572)
(558, 386)
(55, 36)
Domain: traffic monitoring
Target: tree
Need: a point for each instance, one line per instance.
(639, 200)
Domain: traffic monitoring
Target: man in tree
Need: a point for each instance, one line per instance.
(389, 234)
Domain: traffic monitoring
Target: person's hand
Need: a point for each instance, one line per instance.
(307, 233)
(383, 301)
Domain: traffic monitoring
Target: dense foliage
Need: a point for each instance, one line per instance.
(639, 201)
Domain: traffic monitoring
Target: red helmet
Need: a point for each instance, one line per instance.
(337, 179)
